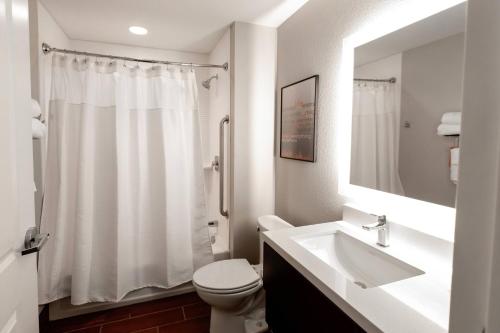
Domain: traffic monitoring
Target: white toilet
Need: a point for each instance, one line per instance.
(234, 288)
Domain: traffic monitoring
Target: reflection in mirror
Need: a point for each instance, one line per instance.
(407, 99)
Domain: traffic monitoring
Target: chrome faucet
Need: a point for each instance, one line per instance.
(382, 227)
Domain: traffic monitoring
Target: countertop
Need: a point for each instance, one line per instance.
(416, 305)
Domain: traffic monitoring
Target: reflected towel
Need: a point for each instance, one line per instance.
(452, 118)
(448, 129)
(36, 111)
(454, 158)
(38, 129)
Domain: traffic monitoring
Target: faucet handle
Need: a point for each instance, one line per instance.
(380, 218)
(374, 226)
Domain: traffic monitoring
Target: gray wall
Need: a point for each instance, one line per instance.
(432, 77)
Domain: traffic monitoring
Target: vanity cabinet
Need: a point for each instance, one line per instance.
(294, 305)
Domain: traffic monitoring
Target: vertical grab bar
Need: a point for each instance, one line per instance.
(222, 146)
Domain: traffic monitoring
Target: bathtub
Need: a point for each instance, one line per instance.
(219, 239)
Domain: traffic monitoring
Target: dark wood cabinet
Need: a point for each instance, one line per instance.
(294, 305)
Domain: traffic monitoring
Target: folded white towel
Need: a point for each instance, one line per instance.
(452, 118)
(448, 129)
(454, 158)
(454, 155)
(38, 129)
(454, 174)
(36, 111)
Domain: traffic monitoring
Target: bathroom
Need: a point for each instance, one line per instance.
(243, 167)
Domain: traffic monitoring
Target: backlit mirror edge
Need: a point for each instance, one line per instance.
(429, 218)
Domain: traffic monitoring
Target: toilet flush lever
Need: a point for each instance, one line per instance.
(382, 228)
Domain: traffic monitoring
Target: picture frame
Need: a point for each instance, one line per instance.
(299, 103)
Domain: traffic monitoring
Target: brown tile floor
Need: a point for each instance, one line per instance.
(179, 314)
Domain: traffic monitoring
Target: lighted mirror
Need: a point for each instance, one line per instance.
(406, 117)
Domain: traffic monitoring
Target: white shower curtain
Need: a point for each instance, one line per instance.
(375, 139)
(124, 192)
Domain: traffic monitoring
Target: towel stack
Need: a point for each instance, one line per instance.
(450, 124)
(38, 129)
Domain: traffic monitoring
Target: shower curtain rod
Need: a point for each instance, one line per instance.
(390, 80)
(46, 49)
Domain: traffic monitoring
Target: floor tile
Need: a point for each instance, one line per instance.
(179, 314)
(196, 310)
(87, 320)
(95, 329)
(143, 322)
(162, 304)
(199, 325)
(149, 330)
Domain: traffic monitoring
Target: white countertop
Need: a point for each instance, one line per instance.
(416, 305)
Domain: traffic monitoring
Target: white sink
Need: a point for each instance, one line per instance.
(361, 263)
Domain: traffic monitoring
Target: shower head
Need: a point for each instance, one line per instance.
(206, 83)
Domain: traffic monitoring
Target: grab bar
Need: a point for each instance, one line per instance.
(222, 146)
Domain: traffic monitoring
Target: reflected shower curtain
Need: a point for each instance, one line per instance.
(124, 192)
(375, 139)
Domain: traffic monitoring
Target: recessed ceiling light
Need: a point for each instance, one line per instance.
(136, 30)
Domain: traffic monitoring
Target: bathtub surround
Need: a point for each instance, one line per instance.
(218, 106)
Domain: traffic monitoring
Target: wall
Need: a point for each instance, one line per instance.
(219, 106)
(432, 78)
(310, 42)
(475, 298)
(253, 81)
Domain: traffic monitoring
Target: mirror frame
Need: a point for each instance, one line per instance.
(429, 218)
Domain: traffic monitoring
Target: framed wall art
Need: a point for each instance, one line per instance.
(298, 120)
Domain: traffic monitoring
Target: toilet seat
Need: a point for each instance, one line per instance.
(256, 285)
(227, 277)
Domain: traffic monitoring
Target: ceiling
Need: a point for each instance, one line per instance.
(184, 25)
(441, 25)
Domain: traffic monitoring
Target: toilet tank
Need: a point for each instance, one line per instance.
(267, 223)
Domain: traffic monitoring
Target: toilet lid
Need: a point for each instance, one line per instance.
(226, 275)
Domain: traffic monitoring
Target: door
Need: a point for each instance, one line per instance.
(18, 289)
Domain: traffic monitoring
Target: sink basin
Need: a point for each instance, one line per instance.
(361, 263)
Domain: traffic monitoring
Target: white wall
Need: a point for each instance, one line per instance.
(475, 298)
(253, 81)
